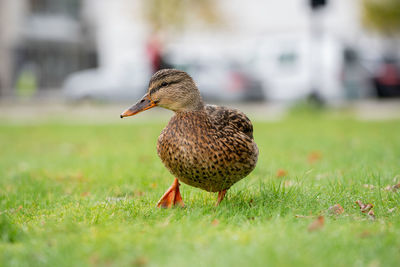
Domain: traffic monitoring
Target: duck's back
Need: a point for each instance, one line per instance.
(226, 117)
(210, 149)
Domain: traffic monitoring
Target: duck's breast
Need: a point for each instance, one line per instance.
(200, 155)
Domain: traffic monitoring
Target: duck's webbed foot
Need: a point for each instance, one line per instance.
(221, 195)
(172, 197)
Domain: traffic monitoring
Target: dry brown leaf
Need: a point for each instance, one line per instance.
(388, 188)
(314, 156)
(367, 208)
(396, 186)
(336, 209)
(78, 176)
(215, 222)
(392, 188)
(365, 234)
(85, 194)
(281, 173)
(364, 207)
(140, 261)
(138, 193)
(317, 224)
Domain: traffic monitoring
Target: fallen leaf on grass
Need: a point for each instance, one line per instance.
(281, 173)
(393, 188)
(364, 207)
(388, 188)
(314, 156)
(215, 222)
(317, 224)
(85, 194)
(79, 177)
(336, 209)
(138, 193)
(365, 234)
(141, 261)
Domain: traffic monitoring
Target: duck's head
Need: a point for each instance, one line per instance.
(171, 89)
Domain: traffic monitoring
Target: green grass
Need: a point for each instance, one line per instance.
(80, 195)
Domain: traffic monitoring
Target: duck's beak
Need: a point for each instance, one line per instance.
(142, 105)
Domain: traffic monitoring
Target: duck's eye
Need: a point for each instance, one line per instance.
(163, 84)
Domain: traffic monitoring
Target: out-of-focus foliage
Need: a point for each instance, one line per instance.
(382, 15)
(176, 14)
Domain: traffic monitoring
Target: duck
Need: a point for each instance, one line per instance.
(205, 146)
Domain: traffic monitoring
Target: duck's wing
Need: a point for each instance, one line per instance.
(224, 117)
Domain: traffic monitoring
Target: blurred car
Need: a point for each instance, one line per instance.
(387, 78)
(107, 84)
(355, 75)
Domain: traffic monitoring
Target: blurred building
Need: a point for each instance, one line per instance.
(42, 41)
(295, 51)
(288, 49)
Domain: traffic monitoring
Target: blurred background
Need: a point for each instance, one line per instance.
(328, 51)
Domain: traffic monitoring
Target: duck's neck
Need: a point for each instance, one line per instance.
(197, 105)
(190, 121)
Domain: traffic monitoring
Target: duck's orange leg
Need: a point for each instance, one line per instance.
(221, 195)
(172, 197)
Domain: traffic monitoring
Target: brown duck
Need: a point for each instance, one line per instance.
(205, 146)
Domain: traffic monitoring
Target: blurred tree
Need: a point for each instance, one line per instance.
(382, 16)
(176, 14)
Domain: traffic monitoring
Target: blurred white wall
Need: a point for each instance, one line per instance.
(120, 31)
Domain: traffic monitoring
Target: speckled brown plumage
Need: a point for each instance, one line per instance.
(211, 149)
(205, 146)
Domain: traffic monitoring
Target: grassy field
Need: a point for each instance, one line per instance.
(85, 195)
